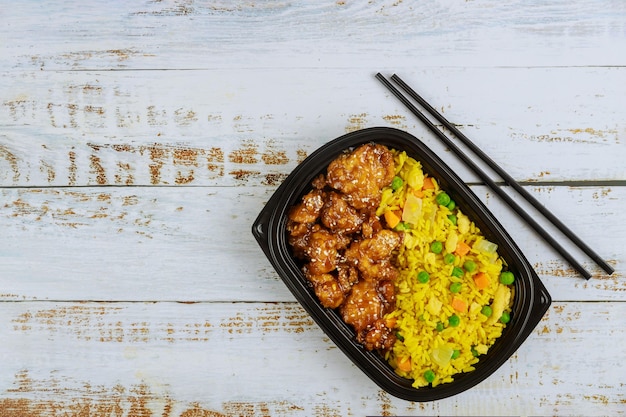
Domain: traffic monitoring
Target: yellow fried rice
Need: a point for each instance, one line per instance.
(437, 337)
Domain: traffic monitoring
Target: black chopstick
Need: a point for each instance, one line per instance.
(531, 221)
(505, 176)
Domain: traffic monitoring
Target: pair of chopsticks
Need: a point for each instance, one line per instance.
(506, 177)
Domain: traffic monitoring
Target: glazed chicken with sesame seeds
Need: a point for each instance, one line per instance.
(364, 309)
(372, 256)
(361, 174)
(345, 251)
(322, 251)
(327, 288)
(309, 209)
(339, 216)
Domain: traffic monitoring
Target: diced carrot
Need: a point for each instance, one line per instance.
(462, 248)
(459, 305)
(404, 364)
(481, 280)
(428, 184)
(418, 193)
(392, 218)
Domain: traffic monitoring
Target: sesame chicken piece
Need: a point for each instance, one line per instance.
(361, 174)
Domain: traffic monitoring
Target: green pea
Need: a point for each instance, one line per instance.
(457, 272)
(452, 219)
(469, 265)
(455, 354)
(449, 258)
(451, 205)
(396, 183)
(474, 352)
(429, 376)
(486, 311)
(455, 287)
(423, 277)
(505, 318)
(454, 320)
(401, 227)
(442, 199)
(439, 326)
(436, 247)
(507, 278)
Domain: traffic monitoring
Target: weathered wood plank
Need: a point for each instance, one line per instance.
(138, 141)
(164, 359)
(186, 34)
(253, 127)
(134, 243)
(195, 244)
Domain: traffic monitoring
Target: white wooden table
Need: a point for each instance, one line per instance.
(139, 140)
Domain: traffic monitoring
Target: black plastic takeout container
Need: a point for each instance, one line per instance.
(531, 299)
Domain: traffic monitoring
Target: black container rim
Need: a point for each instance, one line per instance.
(531, 300)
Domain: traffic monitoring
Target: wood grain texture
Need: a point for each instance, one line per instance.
(166, 358)
(173, 34)
(195, 244)
(253, 127)
(139, 140)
